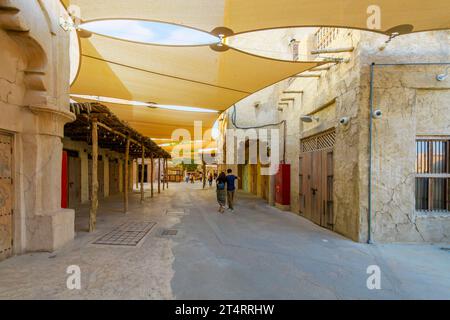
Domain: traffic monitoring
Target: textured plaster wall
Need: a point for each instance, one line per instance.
(413, 102)
(411, 108)
(34, 82)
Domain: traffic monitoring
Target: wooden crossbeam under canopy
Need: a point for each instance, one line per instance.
(96, 125)
(112, 132)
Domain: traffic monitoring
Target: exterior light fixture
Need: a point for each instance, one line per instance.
(309, 119)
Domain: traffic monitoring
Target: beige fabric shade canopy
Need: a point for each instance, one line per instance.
(186, 76)
(199, 76)
(250, 15)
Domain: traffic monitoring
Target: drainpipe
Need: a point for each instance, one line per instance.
(372, 69)
(369, 205)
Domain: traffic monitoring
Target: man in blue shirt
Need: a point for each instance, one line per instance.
(231, 188)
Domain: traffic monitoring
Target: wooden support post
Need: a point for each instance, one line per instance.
(126, 179)
(137, 173)
(167, 173)
(164, 173)
(94, 178)
(142, 173)
(159, 175)
(152, 163)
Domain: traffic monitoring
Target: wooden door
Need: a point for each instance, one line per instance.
(316, 187)
(316, 179)
(305, 185)
(101, 179)
(327, 189)
(265, 187)
(6, 197)
(254, 179)
(74, 181)
(245, 178)
(240, 175)
(113, 177)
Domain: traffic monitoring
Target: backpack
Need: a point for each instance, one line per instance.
(221, 186)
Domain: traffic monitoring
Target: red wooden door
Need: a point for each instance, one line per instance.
(64, 181)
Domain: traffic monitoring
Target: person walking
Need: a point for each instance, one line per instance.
(221, 191)
(210, 180)
(231, 188)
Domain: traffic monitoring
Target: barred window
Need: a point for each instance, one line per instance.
(433, 174)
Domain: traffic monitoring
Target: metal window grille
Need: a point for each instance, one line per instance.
(433, 174)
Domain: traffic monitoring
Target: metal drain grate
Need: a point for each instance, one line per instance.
(128, 234)
(170, 232)
(177, 212)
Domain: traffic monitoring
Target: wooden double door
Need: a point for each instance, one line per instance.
(6, 197)
(316, 186)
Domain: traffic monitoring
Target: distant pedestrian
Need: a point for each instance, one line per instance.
(231, 188)
(186, 178)
(210, 179)
(221, 191)
(192, 178)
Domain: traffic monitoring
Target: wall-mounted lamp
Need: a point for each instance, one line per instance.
(309, 119)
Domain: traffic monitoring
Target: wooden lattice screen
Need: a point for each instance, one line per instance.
(321, 141)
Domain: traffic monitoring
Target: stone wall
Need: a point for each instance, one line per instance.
(413, 102)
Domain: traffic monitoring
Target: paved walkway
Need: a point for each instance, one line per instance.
(256, 253)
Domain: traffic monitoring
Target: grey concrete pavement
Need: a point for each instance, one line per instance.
(257, 252)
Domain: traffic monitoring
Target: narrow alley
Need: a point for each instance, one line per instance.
(257, 252)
